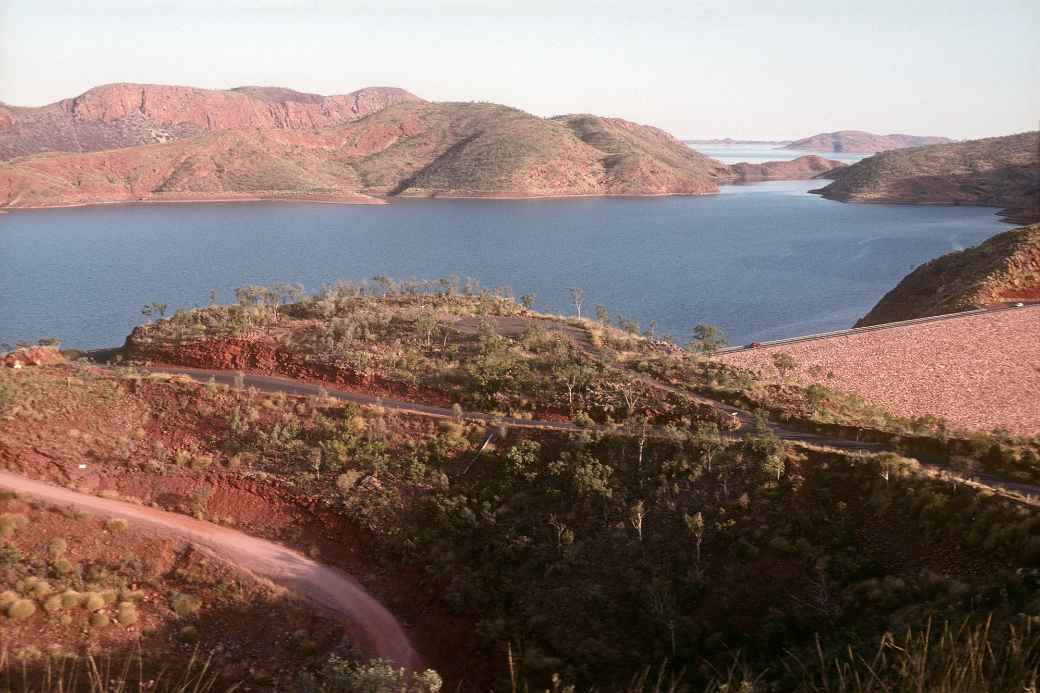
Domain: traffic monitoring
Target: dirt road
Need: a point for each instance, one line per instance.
(270, 384)
(372, 627)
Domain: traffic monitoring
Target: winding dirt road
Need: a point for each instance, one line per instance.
(271, 384)
(373, 628)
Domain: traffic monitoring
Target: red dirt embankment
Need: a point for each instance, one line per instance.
(979, 372)
(378, 630)
(267, 358)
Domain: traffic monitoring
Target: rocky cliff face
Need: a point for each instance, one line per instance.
(1004, 268)
(802, 168)
(858, 141)
(994, 172)
(125, 115)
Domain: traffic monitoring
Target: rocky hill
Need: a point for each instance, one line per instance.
(802, 168)
(126, 115)
(410, 148)
(994, 172)
(858, 141)
(1006, 267)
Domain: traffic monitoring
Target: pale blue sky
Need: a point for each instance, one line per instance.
(697, 69)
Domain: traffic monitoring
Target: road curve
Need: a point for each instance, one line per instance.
(375, 629)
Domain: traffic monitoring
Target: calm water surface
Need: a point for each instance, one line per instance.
(760, 153)
(763, 261)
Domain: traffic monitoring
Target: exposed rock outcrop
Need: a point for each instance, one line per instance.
(1004, 268)
(126, 115)
(32, 356)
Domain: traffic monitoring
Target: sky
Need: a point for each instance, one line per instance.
(763, 70)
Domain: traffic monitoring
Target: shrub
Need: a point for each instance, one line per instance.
(10, 523)
(53, 603)
(99, 620)
(57, 548)
(70, 599)
(42, 589)
(345, 481)
(127, 614)
(7, 598)
(62, 566)
(116, 524)
(188, 634)
(184, 604)
(377, 676)
(93, 601)
(21, 609)
(9, 554)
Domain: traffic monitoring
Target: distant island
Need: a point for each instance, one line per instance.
(729, 141)
(151, 143)
(860, 142)
(802, 168)
(1004, 268)
(994, 172)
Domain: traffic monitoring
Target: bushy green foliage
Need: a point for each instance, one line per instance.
(598, 556)
(339, 675)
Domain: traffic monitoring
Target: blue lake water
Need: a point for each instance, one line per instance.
(763, 261)
(760, 153)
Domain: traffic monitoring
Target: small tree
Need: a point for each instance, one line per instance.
(527, 301)
(816, 395)
(695, 524)
(636, 515)
(774, 465)
(154, 309)
(707, 339)
(577, 298)
(602, 315)
(386, 282)
(784, 363)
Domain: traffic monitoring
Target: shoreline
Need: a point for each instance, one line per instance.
(373, 200)
(1006, 214)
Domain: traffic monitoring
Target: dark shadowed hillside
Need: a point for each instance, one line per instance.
(1004, 268)
(994, 172)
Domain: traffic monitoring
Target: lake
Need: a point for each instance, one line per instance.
(763, 261)
(761, 153)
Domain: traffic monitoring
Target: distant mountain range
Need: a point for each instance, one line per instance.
(126, 115)
(995, 172)
(860, 142)
(132, 142)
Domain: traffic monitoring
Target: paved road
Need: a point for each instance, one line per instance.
(373, 627)
(884, 326)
